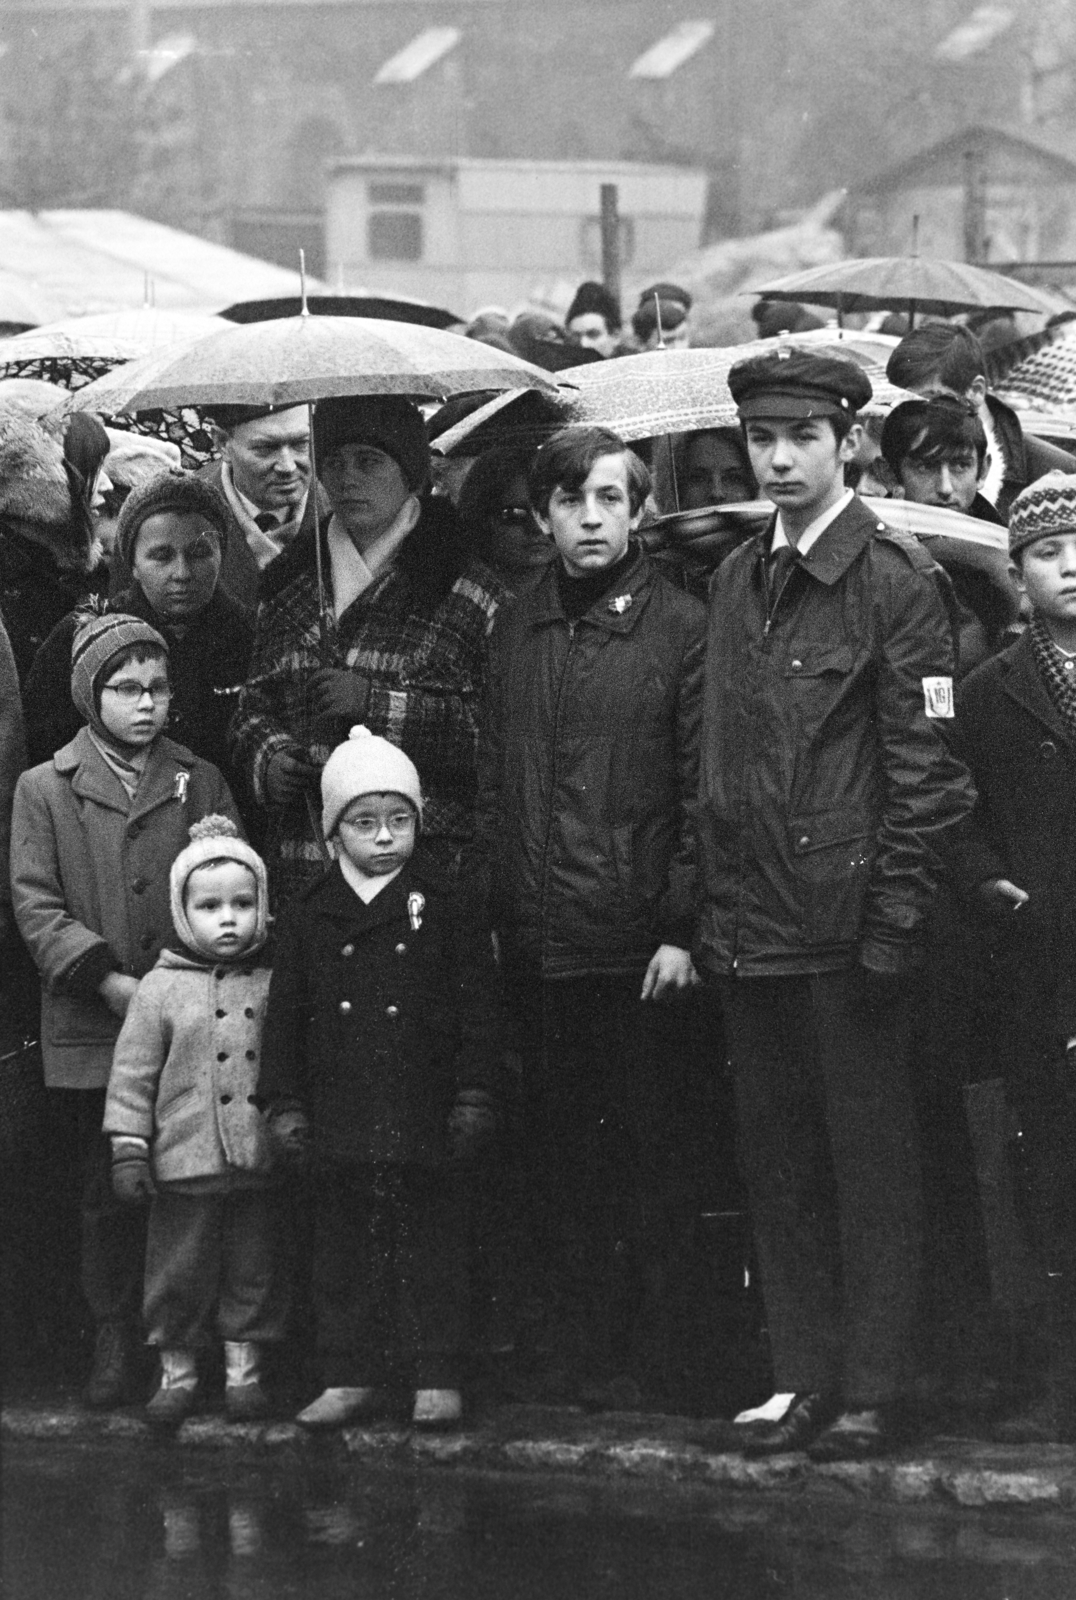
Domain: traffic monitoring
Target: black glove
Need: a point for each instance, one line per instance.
(472, 1122)
(289, 1132)
(132, 1180)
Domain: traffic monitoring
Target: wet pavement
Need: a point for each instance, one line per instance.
(169, 1522)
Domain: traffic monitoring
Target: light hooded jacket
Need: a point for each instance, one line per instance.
(89, 885)
(185, 1072)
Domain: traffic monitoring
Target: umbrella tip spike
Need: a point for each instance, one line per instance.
(304, 310)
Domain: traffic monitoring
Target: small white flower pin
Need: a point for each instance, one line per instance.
(620, 603)
(416, 905)
(182, 780)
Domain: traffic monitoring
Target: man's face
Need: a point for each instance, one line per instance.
(1047, 575)
(176, 563)
(591, 331)
(366, 487)
(951, 480)
(715, 472)
(270, 458)
(591, 525)
(798, 462)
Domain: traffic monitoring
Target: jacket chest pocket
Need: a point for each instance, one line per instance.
(815, 681)
(833, 853)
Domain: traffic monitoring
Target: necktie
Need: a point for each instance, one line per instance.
(778, 567)
(267, 522)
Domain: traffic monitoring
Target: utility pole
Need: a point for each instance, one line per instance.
(610, 224)
(976, 244)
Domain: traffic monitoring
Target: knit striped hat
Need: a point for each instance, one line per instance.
(1046, 507)
(96, 641)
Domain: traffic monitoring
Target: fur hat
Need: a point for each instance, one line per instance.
(185, 493)
(35, 494)
(594, 298)
(365, 764)
(96, 641)
(214, 839)
(1045, 507)
(386, 421)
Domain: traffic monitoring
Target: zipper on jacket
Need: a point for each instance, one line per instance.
(553, 776)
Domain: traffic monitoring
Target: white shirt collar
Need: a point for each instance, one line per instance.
(814, 530)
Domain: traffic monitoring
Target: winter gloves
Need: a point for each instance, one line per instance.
(132, 1179)
(472, 1122)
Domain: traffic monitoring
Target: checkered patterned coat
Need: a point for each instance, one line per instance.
(422, 647)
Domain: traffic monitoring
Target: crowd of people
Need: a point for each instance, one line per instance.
(392, 870)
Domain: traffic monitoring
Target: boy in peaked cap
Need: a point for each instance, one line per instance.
(382, 1051)
(825, 793)
(94, 833)
(1017, 733)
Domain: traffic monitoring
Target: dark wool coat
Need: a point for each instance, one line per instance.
(89, 885)
(185, 1071)
(1022, 756)
(588, 773)
(1026, 458)
(212, 652)
(826, 791)
(240, 574)
(418, 635)
(375, 1024)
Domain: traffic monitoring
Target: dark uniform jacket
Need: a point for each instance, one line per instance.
(1022, 756)
(588, 772)
(374, 1024)
(826, 790)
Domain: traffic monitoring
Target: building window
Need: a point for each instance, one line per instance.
(396, 194)
(394, 236)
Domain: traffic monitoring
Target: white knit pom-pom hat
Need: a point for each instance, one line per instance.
(365, 764)
(216, 838)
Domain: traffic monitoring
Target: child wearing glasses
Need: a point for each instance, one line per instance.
(382, 1049)
(94, 833)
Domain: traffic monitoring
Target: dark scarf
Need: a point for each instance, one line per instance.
(1058, 671)
(577, 595)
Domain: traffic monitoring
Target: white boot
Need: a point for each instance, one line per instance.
(437, 1408)
(772, 1411)
(244, 1397)
(174, 1398)
(334, 1407)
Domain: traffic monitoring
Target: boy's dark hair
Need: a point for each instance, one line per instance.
(936, 429)
(483, 491)
(937, 352)
(565, 461)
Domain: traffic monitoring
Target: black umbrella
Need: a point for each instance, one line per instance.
(384, 306)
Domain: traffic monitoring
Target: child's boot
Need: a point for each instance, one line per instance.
(437, 1408)
(244, 1397)
(174, 1399)
(334, 1407)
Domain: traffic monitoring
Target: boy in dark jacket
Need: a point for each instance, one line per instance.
(825, 797)
(382, 1047)
(1017, 733)
(588, 768)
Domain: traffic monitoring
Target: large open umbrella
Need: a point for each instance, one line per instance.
(916, 284)
(294, 360)
(1046, 379)
(394, 308)
(643, 396)
(76, 350)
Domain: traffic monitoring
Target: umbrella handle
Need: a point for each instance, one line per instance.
(323, 608)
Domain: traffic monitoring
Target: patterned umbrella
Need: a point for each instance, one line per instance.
(293, 360)
(642, 396)
(923, 284)
(1045, 380)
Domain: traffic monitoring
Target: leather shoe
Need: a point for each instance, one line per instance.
(853, 1436)
(803, 1421)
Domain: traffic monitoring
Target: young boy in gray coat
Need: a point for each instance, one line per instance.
(94, 832)
(188, 1136)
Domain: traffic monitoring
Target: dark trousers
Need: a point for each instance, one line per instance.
(113, 1235)
(828, 1150)
(1042, 1094)
(215, 1267)
(390, 1275)
(608, 1181)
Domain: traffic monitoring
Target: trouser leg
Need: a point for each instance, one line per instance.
(430, 1272)
(870, 1118)
(183, 1268)
(783, 1148)
(113, 1235)
(254, 1281)
(351, 1262)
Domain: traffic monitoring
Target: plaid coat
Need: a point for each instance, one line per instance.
(420, 643)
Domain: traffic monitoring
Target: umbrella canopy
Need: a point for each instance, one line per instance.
(923, 284)
(1044, 380)
(82, 348)
(392, 308)
(641, 396)
(299, 359)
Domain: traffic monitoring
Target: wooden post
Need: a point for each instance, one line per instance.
(610, 221)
